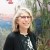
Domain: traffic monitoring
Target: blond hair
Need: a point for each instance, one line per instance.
(17, 14)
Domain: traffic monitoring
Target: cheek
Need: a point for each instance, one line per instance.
(20, 21)
(30, 20)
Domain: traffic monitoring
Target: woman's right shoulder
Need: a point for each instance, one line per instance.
(11, 35)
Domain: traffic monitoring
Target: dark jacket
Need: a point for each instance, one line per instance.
(13, 41)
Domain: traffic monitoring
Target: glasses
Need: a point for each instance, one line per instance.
(25, 17)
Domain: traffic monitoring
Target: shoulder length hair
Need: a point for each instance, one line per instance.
(15, 26)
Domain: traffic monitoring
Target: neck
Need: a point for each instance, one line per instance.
(23, 31)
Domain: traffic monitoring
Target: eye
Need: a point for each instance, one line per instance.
(25, 16)
(28, 17)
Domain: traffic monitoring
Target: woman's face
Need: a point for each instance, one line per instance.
(24, 20)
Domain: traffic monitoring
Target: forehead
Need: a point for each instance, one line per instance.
(25, 13)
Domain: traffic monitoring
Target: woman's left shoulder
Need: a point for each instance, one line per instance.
(33, 35)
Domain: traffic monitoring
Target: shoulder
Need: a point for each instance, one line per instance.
(33, 35)
(12, 35)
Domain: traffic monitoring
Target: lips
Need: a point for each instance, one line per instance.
(25, 23)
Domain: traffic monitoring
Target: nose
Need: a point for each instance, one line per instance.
(26, 18)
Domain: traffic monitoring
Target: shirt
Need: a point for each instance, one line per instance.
(27, 42)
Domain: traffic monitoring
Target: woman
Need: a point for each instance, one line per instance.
(21, 38)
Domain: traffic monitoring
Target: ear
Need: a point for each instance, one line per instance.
(16, 20)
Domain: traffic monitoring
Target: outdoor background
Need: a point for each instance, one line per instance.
(41, 13)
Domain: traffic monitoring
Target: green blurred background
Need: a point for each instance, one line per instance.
(41, 23)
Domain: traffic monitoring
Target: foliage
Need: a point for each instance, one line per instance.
(44, 35)
(3, 34)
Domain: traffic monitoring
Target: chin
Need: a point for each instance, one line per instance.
(26, 27)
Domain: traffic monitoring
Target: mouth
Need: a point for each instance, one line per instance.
(25, 23)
